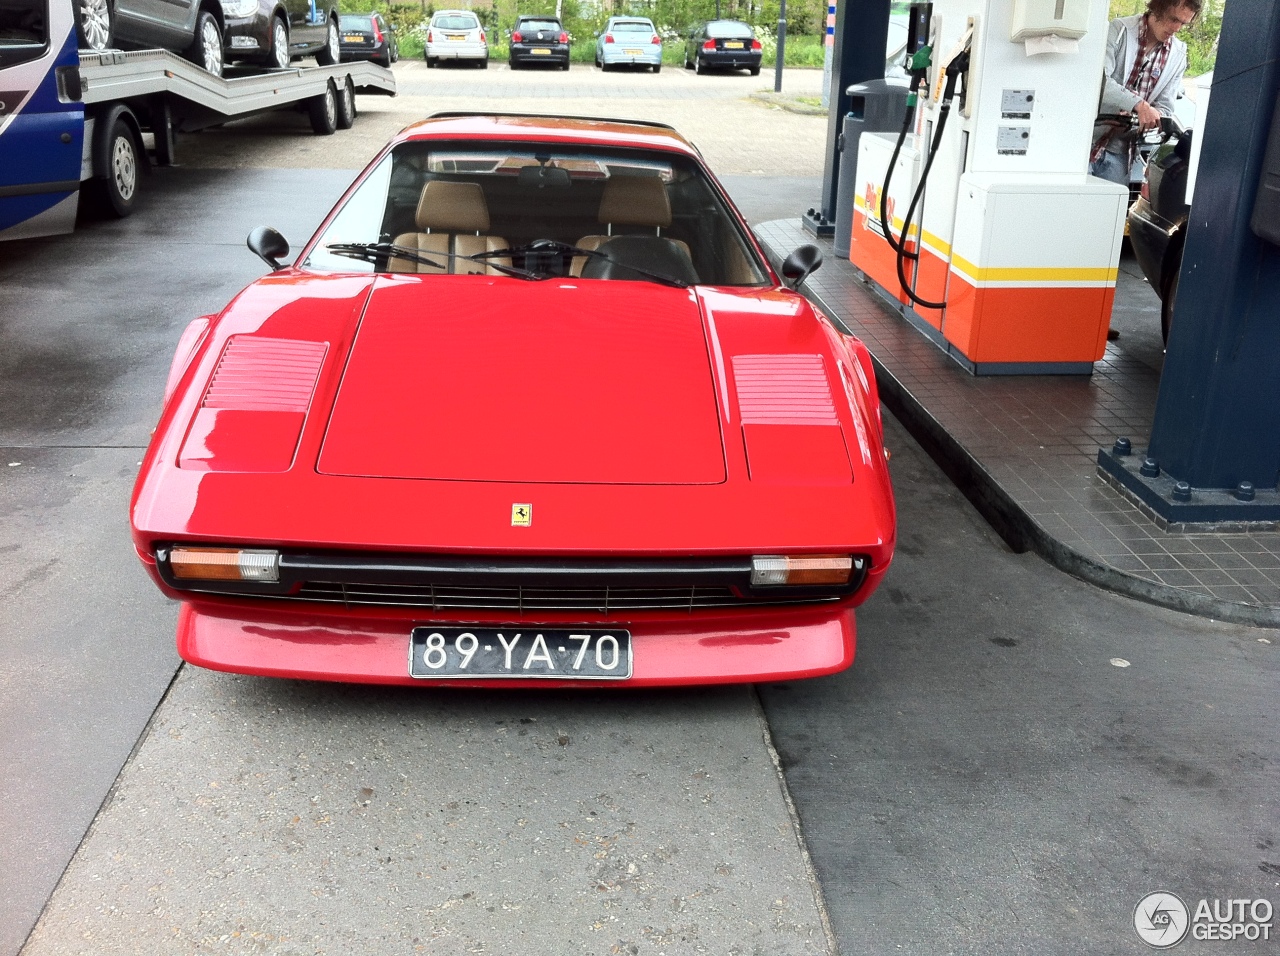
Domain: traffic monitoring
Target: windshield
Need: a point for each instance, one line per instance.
(550, 25)
(24, 30)
(729, 28)
(539, 212)
(633, 26)
(353, 22)
(455, 23)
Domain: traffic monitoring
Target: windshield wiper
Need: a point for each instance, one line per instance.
(565, 249)
(376, 251)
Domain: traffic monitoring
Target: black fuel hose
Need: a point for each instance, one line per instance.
(955, 69)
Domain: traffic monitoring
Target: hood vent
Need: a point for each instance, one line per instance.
(258, 374)
(783, 390)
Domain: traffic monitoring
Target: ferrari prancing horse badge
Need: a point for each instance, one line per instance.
(521, 516)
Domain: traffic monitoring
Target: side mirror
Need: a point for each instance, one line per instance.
(801, 264)
(270, 246)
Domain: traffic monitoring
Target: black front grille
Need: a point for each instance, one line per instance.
(602, 600)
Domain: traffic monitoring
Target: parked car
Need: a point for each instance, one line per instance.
(190, 27)
(631, 40)
(536, 39)
(368, 36)
(722, 44)
(531, 407)
(275, 32)
(456, 35)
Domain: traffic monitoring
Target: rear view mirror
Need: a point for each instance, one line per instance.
(540, 177)
(268, 245)
(801, 264)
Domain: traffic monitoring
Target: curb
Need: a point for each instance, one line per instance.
(782, 101)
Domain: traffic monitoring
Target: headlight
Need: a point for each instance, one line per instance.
(773, 569)
(225, 564)
(239, 8)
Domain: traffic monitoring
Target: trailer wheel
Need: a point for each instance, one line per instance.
(330, 53)
(346, 116)
(206, 48)
(117, 189)
(324, 111)
(94, 24)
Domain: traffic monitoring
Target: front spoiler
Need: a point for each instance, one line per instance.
(371, 646)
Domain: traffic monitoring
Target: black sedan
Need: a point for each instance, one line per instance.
(368, 36)
(726, 44)
(537, 39)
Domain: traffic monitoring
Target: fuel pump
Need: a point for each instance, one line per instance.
(980, 217)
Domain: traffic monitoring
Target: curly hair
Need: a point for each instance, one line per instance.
(1162, 8)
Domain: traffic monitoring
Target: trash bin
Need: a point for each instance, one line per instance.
(878, 107)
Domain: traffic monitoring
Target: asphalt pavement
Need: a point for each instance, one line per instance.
(1014, 760)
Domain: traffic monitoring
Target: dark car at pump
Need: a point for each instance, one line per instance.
(530, 408)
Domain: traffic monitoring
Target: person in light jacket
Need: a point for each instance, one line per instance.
(1141, 76)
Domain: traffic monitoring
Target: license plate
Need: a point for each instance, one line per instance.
(634, 52)
(520, 652)
(353, 38)
(459, 38)
(541, 52)
(733, 46)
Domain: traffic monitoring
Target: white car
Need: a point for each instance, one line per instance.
(456, 35)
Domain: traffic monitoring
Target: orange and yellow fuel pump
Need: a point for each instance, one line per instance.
(981, 218)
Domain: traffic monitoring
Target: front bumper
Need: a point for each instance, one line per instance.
(246, 37)
(370, 645)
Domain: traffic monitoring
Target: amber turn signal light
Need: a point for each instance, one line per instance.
(225, 564)
(773, 569)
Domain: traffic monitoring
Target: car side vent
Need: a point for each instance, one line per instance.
(265, 375)
(783, 390)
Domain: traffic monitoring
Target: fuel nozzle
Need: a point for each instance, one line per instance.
(957, 67)
(918, 64)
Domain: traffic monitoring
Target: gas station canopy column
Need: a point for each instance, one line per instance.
(1214, 453)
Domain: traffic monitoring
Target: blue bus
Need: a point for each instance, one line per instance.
(41, 118)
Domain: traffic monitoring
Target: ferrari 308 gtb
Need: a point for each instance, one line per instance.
(532, 407)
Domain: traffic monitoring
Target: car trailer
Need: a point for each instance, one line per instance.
(71, 120)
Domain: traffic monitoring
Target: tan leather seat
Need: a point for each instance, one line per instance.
(453, 218)
(628, 201)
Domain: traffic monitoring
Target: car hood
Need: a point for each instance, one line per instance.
(603, 383)
(315, 406)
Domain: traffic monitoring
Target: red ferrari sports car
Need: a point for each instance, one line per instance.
(530, 408)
